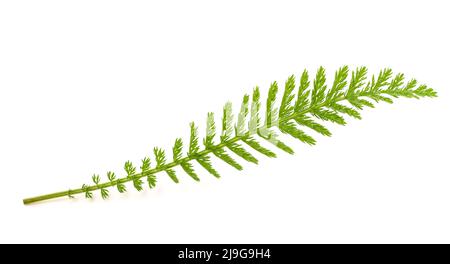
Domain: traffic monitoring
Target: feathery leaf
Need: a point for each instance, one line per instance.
(111, 176)
(129, 168)
(303, 92)
(145, 164)
(241, 152)
(291, 129)
(151, 179)
(285, 108)
(309, 122)
(177, 149)
(319, 87)
(160, 157)
(340, 81)
(240, 127)
(205, 162)
(189, 169)
(345, 110)
(227, 122)
(255, 121)
(328, 115)
(271, 111)
(104, 193)
(86, 191)
(210, 131)
(222, 154)
(357, 80)
(193, 141)
(171, 173)
(312, 104)
(256, 146)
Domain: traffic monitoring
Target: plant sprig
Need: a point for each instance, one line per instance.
(314, 104)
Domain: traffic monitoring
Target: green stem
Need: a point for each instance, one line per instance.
(169, 165)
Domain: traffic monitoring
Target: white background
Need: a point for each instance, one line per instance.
(87, 85)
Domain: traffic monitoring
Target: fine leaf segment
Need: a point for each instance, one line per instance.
(308, 104)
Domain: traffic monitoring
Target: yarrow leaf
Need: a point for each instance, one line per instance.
(297, 114)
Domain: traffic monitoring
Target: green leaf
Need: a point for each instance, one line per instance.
(318, 101)
(357, 81)
(240, 127)
(104, 193)
(241, 152)
(381, 81)
(378, 97)
(255, 121)
(188, 168)
(145, 164)
(397, 82)
(121, 187)
(171, 173)
(222, 154)
(291, 129)
(96, 179)
(160, 157)
(285, 108)
(137, 183)
(303, 93)
(328, 115)
(424, 91)
(205, 162)
(360, 103)
(86, 191)
(271, 111)
(256, 146)
(309, 122)
(272, 138)
(345, 110)
(210, 131)
(193, 141)
(129, 168)
(151, 179)
(340, 81)
(227, 122)
(177, 149)
(411, 84)
(319, 87)
(111, 176)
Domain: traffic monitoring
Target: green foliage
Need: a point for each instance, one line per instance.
(286, 108)
(304, 120)
(311, 108)
(193, 141)
(222, 154)
(256, 146)
(205, 162)
(189, 169)
(227, 122)
(151, 179)
(87, 193)
(160, 157)
(241, 152)
(145, 164)
(328, 115)
(210, 131)
(291, 129)
(319, 87)
(271, 111)
(129, 168)
(240, 127)
(303, 93)
(254, 123)
(177, 149)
